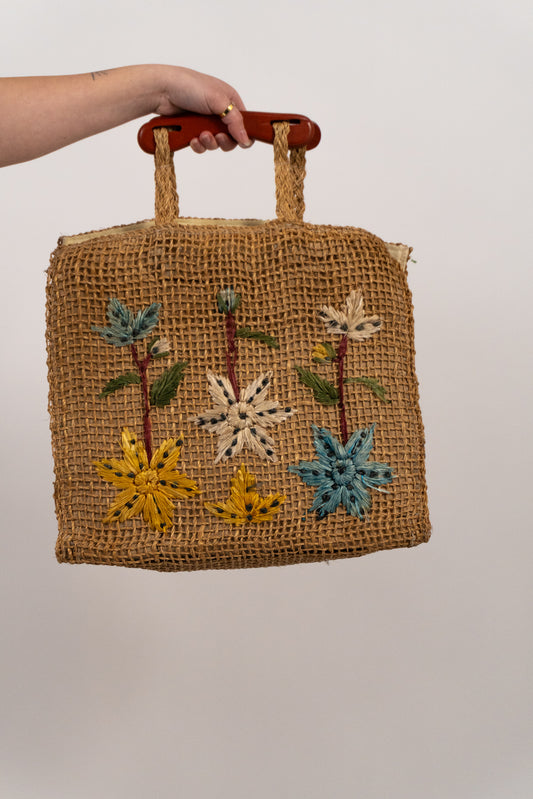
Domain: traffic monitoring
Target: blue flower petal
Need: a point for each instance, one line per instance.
(118, 315)
(376, 474)
(328, 447)
(311, 472)
(359, 444)
(326, 500)
(114, 335)
(145, 321)
(357, 500)
(124, 328)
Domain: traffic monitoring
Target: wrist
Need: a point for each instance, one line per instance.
(147, 87)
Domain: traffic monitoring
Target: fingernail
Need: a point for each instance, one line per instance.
(247, 143)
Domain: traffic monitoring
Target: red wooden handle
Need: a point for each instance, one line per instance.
(183, 128)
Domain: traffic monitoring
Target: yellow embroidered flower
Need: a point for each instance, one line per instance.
(244, 503)
(323, 353)
(147, 488)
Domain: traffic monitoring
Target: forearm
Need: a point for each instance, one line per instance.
(42, 114)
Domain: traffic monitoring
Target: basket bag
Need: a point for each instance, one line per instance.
(233, 393)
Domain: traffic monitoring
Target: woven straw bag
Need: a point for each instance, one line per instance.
(229, 394)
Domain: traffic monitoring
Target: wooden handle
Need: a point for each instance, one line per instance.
(181, 129)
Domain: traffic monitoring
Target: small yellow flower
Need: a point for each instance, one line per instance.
(323, 353)
(244, 503)
(147, 488)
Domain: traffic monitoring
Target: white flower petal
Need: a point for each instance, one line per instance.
(354, 308)
(333, 319)
(256, 391)
(205, 419)
(229, 444)
(220, 389)
(260, 443)
(365, 328)
(271, 413)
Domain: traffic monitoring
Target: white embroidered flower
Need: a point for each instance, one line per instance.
(351, 320)
(242, 423)
(161, 347)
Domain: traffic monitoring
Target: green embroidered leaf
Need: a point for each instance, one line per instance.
(119, 382)
(152, 342)
(323, 391)
(371, 383)
(258, 335)
(165, 387)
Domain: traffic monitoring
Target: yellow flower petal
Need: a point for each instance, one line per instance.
(174, 484)
(126, 505)
(244, 503)
(115, 471)
(134, 451)
(319, 353)
(165, 511)
(219, 509)
(167, 455)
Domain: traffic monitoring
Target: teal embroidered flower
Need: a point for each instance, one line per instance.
(228, 301)
(124, 327)
(343, 474)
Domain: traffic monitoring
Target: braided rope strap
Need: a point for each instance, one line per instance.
(290, 175)
(166, 195)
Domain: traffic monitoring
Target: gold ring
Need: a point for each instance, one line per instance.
(227, 110)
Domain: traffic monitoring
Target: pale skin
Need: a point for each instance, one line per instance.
(41, 114)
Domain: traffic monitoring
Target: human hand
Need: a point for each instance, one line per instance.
(187, 90)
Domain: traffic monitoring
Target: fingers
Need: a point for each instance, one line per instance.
(206, 141)
(236, 135)
(226, 143)
(233, 119)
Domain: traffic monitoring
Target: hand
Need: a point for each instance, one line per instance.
(187, 90)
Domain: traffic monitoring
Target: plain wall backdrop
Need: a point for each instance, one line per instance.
(404, 674)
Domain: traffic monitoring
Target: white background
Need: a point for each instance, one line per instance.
(404, 674)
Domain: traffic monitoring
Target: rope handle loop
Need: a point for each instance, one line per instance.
(289, 171)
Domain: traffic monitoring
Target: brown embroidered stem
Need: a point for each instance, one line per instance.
(142, 366)
(341, 354)
(231, 352)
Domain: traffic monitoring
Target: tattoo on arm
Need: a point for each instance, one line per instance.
(98, 74)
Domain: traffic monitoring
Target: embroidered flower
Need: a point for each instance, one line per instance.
(242, 423)
(342, 475)
(148, 488)
(161, 347)
(124, 327)
(228, 301)
(323, 353)
(351, 320)
(244, 503)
